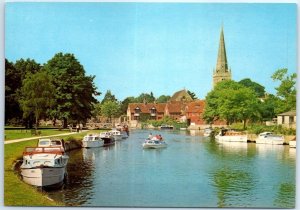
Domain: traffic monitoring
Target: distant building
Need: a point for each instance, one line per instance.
(221, 72)
(287, 119)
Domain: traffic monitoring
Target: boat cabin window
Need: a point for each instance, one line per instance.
(55, 143)
(44, 143)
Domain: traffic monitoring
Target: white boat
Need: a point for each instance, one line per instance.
(207, 132)
(92, 140)
(226, 135)
(269, 138)
(153, 144)
(166, 127)
(292, 143)
(116, 134)
(107, 138)
(45, 165)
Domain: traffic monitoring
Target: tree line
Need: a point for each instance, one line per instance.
(58, 89)
(246, 101)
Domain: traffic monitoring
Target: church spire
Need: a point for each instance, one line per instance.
(222, 65)
(221, 72)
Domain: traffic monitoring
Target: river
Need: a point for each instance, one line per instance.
(192, 171)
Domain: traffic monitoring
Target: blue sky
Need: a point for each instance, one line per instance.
(159, 47)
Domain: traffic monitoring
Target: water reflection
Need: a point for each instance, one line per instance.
(285, 196)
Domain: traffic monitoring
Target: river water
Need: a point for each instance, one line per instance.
(192, 171)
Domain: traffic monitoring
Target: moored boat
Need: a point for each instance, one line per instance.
(108, 138)
(92, 140)
(269, 138)
(116, 134)
(166, 127)
(226, 135)
(45, 165)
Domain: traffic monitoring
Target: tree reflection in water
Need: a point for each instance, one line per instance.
(231, 184)
(285, 197)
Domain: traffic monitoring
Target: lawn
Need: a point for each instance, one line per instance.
(16, 192)
(23, 133)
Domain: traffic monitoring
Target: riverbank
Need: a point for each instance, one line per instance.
(18, 193)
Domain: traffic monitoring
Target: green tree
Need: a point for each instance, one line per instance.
(37, 95)
(145, 97)
(257, 88)
(110, 109)
(163, 99)
(125, 102)
(75, 92)
(232, 102)
(192, 94)
(286, 91)
(14, 75)
(108, 97)
(96, 110)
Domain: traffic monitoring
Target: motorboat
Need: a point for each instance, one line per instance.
(108, 138)
(226, 135)
(166, 127)
(92, 140)
(207, 132)
(269, 138)
(45, 165)
(292, 143)
(116, 134)
(154, 143)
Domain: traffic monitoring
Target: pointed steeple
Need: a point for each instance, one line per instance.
(222, 65)
(221, 72)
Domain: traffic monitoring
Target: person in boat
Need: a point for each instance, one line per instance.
(160, 137)
(150, 136)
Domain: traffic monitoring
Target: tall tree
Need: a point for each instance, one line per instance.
(75, 92)
(37, 95)
(257, 88)
(286, 91)
(108, 97)
(14, 75)
(232, 102)
(192, 94)
(110, 109)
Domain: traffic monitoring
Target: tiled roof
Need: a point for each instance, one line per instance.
(195, 106)
(145, 108)
(181, 95)
(175, 107)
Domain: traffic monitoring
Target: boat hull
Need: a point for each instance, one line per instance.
(154, 146)
(92, 144)
(269, 141)
(240, 138)
(43, 177)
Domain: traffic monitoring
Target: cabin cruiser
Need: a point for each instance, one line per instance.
(92, 140)
(226, 135)
(154, 142)
(269, 138)
(45, 165)
(166, 127)
(108, 138)
(207, 132)
(117, 134)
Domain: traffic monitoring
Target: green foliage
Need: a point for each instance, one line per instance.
(37, 94)
(96, 111)
(192, 94)
(232, 102)
(125, 102)
(257, 88)
(75, 92)
(108, 97)
(167, 121)
(145, 97)
(163, 99)
(286, 91)
(110, 109)
(144, 117)
(259, 128)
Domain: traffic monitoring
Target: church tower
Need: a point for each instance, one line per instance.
(222, 72)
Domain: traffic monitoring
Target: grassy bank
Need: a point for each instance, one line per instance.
(259, 128)
(22, 133)
(16, 192)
